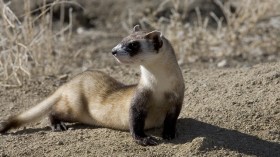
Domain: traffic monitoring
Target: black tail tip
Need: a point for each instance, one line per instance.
(3, 127)
(7, 125)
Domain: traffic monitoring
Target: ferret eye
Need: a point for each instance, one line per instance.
(133, 45)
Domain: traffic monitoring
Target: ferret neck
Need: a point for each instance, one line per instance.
(160, 73)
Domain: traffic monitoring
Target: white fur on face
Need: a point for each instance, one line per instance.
(120, 50)
(121, 56)
(118, 47)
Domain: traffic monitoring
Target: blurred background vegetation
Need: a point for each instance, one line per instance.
(56, 37)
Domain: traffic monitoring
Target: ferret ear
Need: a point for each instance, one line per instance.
(136, 28)
(156, 37)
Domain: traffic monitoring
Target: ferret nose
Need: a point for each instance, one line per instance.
(116, 49)
(114, 52)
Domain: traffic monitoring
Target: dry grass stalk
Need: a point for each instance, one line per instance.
(27, 47)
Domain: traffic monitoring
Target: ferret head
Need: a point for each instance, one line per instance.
(139, 48)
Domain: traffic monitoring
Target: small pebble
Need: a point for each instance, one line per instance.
(60, 143)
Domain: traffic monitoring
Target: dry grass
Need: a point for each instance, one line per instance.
(242, 35)
(29, 46)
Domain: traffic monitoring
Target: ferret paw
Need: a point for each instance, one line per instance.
(59, 127)
(168, 136)
(147, 141)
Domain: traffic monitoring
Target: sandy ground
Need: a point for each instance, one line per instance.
(232, 111)
(227, 112)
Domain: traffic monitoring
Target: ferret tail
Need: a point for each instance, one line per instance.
(31, 115)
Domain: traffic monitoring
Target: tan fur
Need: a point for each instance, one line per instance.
(95, 98)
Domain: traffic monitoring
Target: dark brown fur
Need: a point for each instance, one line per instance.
(12, 122)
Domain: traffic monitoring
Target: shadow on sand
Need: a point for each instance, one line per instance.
(217, 137)
(74, 126)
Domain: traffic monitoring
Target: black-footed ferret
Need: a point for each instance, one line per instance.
(97, 99)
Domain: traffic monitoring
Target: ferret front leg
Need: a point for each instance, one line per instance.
(137, 123)
(137, 117)
(169, 128)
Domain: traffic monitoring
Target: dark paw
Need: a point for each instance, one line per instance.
(168, 136)
(59, 127)
(147, 141)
